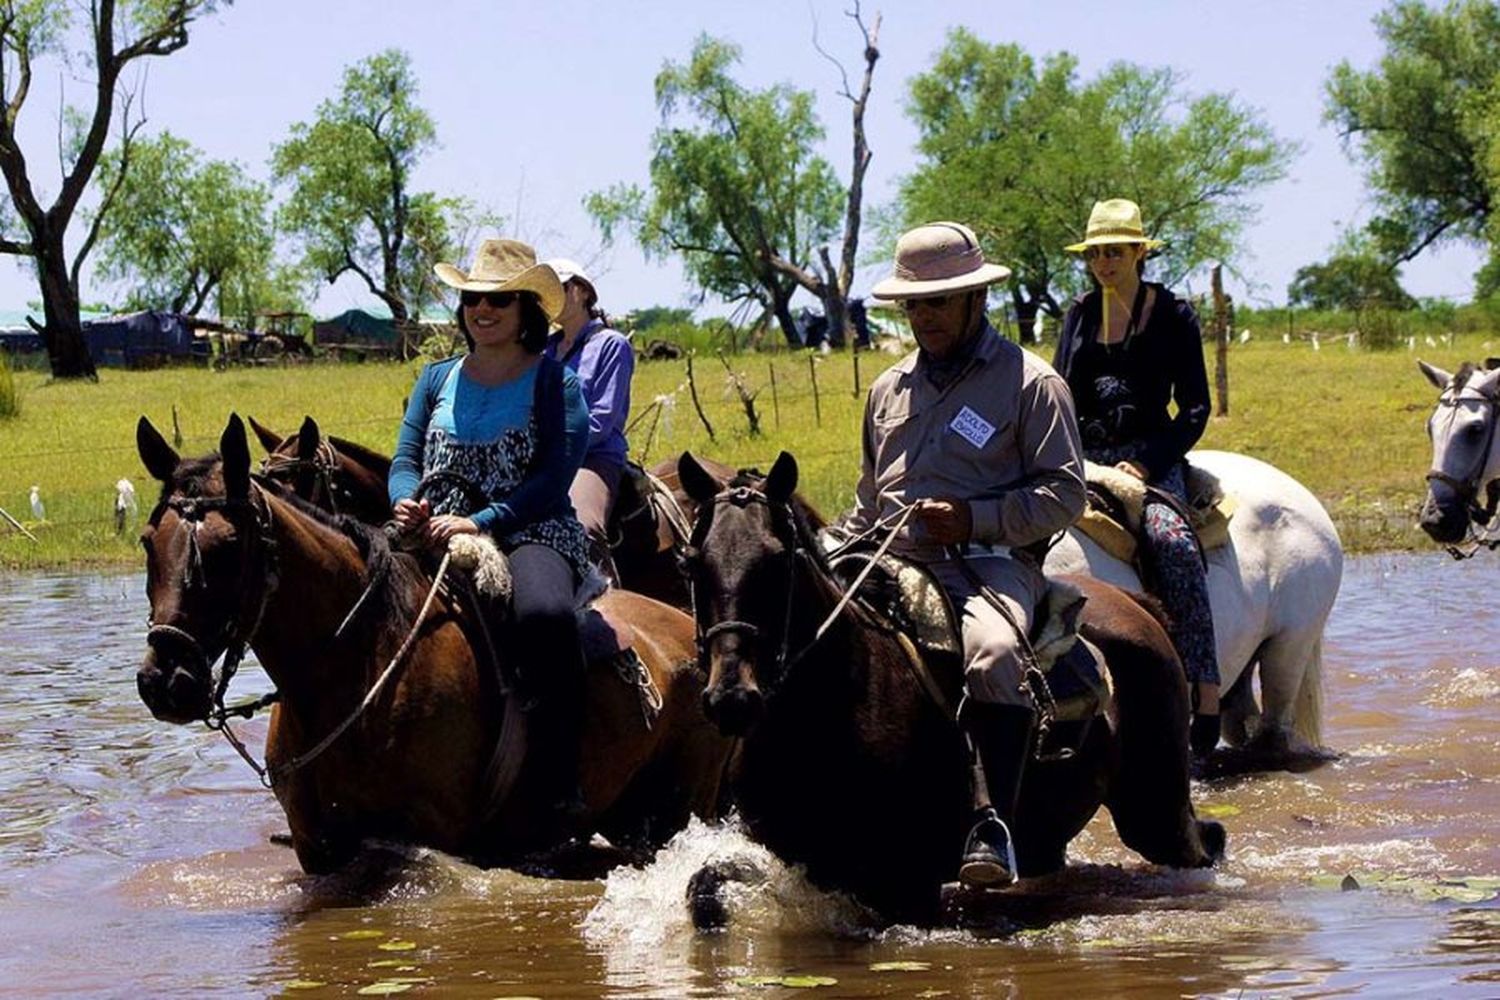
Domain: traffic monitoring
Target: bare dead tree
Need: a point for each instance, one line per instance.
(832, 285)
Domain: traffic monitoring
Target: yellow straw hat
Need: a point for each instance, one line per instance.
(1117, 220)
(507, 266)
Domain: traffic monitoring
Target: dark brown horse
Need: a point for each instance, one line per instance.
(850, 768)
(338, 475)
(234, 560)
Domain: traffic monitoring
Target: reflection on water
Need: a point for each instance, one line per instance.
(137, 857)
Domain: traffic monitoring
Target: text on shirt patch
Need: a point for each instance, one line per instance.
(972, 427)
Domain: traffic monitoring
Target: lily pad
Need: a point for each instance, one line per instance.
(361, 935)
(385, 963)
(384, 988)
(1218, 810)
(396, 945)
(793, 982)
(303, 984)
(900, 966)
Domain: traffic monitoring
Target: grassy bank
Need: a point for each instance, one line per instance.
(1347, 423)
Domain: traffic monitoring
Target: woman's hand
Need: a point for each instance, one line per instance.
(1135, 469)
(411, 514)
(445, 526)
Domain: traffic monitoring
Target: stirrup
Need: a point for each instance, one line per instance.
(989, 856)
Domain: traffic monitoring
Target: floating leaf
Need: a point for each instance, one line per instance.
(1218, 810)
(808, 982)
(384, 988)
(758, 981)
(303, 984)
(384, 963)
(396, 945)
(900, 966)
(361, 935)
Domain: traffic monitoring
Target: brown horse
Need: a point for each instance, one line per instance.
(234, 561)
(849, 766)
(647, 525)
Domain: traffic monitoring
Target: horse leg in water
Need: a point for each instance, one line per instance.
(1148, 794)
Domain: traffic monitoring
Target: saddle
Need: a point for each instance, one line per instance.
(903, 596)
(1117, 501)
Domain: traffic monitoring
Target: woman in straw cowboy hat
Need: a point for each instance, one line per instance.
(512, 423)
(978, 437)
(604, 363)
(1128, 349)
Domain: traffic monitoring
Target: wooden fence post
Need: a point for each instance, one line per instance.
(693, 390)
(176, 429)
(1221, 342)
(856, 373)
(812, 370)
(775, 404)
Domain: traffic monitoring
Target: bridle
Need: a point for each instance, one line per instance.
(742, 497)
(1467, 488)
(323, 464)
(251, 514)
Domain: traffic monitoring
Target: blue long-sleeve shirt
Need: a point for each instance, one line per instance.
(562, 427)
(604, 362)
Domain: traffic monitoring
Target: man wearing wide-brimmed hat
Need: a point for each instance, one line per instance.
(979, 437)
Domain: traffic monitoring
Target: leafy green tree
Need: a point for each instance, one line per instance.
(351, 203)
(1020, 152)
(735, 185)
(1354, 277)
(180, 227)
(1423, 123)
(113, 34)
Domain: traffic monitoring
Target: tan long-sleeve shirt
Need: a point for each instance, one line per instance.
(1002, 436)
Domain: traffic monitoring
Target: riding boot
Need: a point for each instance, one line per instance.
(1000, 743)
(555, 732)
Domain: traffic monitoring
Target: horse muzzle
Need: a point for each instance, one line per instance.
(1445, 523)
(734, 707)
(175, 683)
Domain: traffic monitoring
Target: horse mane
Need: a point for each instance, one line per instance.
(368, 457)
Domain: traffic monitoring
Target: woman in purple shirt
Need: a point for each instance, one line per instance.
(603, 360)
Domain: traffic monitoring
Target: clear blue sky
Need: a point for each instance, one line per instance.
(537, 104)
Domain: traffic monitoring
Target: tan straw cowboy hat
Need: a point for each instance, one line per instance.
(1117, 220)
(936, 259)
(507, 266)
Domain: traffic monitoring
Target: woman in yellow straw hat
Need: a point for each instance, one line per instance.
(1128, 349)
(509, 427)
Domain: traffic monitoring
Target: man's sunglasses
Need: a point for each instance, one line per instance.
(497, 300)
(930, 301)
(1115, 251)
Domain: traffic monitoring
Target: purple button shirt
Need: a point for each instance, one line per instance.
(604, 362)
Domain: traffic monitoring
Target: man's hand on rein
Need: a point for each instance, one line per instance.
(944, 522)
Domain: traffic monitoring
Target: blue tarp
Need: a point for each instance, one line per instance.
(355, 326)
(142, 338)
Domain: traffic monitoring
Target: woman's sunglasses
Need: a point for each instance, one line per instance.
(1115, 251)
(497, 300)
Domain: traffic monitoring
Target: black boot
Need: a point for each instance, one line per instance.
(555, 730)
(1000, 741)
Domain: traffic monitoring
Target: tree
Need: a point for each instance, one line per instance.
(735, 185)
(1021, 152)
(1423, 121)
(1354, 277)
(351, 205)
(119, 32)
(179, 228)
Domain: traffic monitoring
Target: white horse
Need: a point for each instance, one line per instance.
(1271, 588)
(1463, 486)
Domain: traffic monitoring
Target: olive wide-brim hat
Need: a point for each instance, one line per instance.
(1117, 220)
(936, 259)
(507, 266)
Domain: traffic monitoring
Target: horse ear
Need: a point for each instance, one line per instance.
(158, 457)
(695, 479)
(234, 449)
(782, 479)
(1434, 374)
(308, 438)
(268, 438)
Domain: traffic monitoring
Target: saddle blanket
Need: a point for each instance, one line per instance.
(1118, 531)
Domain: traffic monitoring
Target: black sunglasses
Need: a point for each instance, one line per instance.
(930, 301)
(497, 300)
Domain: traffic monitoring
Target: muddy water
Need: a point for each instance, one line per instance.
(136, 860)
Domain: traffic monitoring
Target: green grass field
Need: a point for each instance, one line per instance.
(1348, 423)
